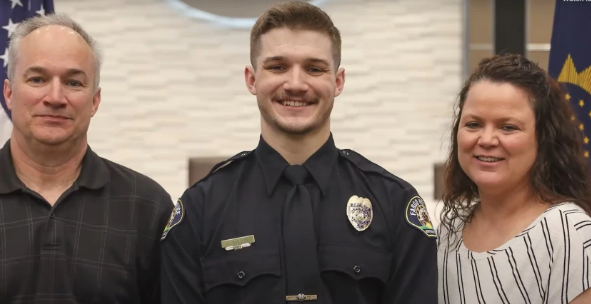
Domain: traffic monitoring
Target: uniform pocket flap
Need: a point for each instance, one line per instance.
(239, 267)
(359, 263)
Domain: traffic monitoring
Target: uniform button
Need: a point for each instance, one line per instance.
(241, 274)
(357, 269)
(52, 214)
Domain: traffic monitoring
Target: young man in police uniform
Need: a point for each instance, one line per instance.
(74, 227)
(298, 219)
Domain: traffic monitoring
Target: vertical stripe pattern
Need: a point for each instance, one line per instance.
(549, 262)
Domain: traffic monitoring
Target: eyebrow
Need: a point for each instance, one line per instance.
(504, 119)
(282, 58)
(470, 116)
(40, 70)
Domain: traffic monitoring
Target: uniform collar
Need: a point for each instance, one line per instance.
(94, 173)
(320, 164)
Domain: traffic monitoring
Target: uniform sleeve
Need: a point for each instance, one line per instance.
(182, 279)
(414, 265)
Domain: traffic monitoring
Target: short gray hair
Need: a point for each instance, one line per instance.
(32, 24)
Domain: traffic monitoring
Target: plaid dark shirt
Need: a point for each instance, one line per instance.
(98, 244)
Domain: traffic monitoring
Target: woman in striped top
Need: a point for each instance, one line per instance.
(515, 226)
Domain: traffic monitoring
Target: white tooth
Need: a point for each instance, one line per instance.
(488, 159)
(294, 103)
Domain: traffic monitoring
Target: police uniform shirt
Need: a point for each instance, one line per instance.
(97, 244)
(393, 260)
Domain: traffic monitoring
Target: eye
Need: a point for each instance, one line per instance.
(316, 70)
(472, 125)
(275, 68)
(36, 80)
(74, 83)
(508, 128)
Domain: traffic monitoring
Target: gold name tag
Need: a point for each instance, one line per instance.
(238, 243)
(301, 298)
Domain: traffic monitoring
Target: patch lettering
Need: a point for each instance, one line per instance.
(418, 216)
(177, 215)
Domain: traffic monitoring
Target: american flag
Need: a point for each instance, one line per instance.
(12, 12)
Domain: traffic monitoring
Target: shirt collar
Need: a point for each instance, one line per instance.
(9, 182)
(94, 173)
(320, 164)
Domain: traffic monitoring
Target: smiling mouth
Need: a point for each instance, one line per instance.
(488, 159)
(291, 103)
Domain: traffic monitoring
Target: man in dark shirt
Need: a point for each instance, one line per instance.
(74, 227)
(298, 219)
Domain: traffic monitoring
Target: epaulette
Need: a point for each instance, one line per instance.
(364, 164)
(224, 164)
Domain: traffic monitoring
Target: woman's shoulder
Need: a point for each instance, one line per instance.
(567, 213)
(568, 219)
(565, 207)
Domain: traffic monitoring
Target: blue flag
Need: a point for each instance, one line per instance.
(570, 59)
(12, 12)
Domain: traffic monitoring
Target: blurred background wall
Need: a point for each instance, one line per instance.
(173, 86)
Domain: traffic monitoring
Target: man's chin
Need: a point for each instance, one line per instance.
(296, 129)
(51, 139)
(294, 126)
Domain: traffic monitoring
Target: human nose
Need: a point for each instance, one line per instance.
(488, 137)
(296, 81)
(55, 96)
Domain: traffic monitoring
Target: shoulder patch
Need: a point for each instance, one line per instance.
(177, 216)
(418, 216)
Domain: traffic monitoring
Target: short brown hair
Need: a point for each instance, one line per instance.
(295, 15)
(560, 172)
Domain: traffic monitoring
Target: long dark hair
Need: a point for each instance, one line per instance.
(560, 172)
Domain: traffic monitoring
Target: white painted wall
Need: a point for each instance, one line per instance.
(173, 86)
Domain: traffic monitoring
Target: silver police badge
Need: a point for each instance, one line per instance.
(359, 212)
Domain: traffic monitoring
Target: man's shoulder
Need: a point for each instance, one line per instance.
(126, 180)
(222, 171)
(399, 198)
(372, 170)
